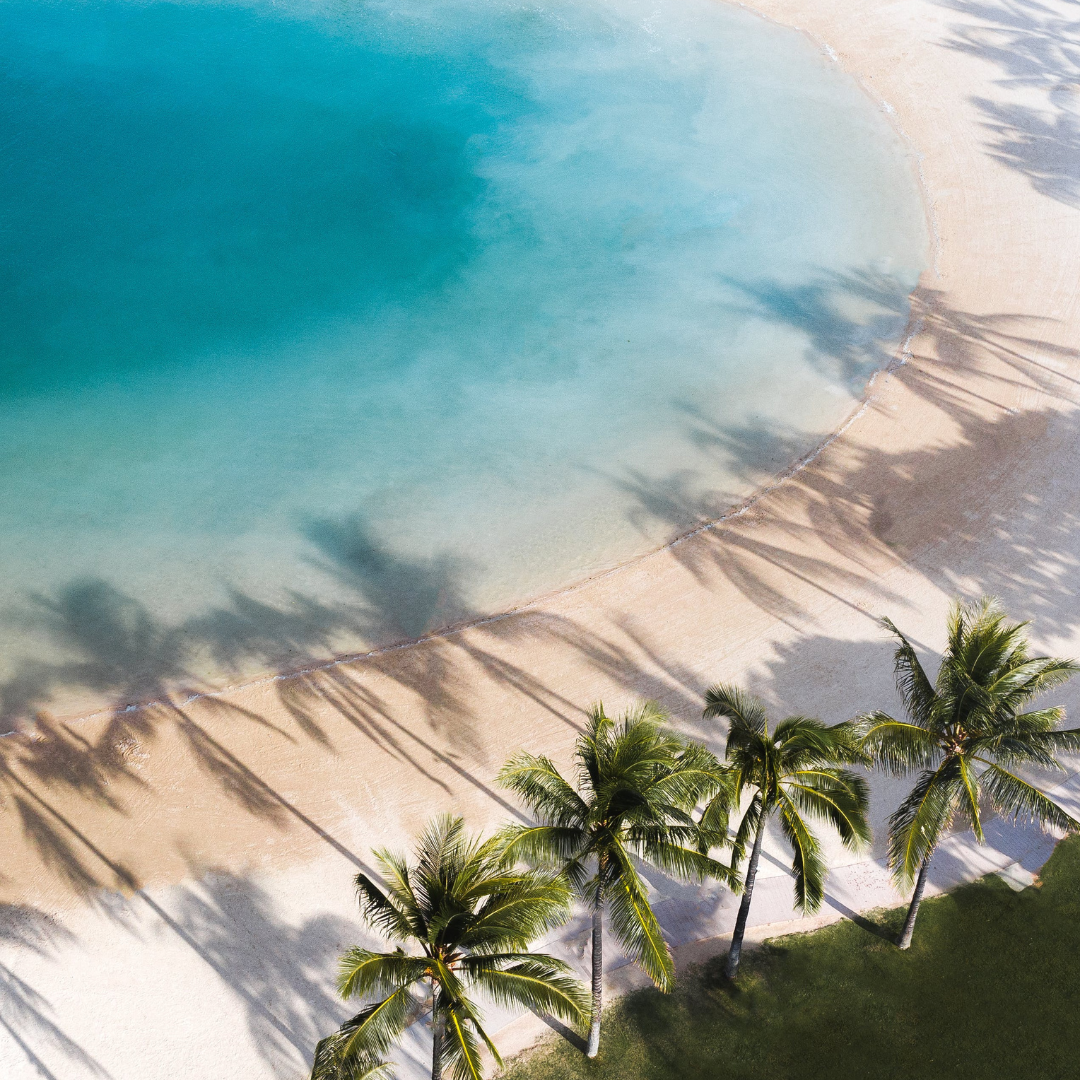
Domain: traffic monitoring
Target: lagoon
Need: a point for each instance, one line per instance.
(326, 325)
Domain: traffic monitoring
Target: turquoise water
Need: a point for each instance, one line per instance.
(327, 324)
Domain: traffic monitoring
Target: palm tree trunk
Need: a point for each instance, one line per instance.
(731, 969)
(597, 970)
(904, 940)
(437, 1043)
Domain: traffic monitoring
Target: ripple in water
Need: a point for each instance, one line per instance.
(329, 324)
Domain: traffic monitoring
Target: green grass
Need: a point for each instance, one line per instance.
(989, 988)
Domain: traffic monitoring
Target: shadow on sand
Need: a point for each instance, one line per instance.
(1036, 47)
(832, 529)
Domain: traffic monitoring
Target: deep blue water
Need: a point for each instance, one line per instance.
(326, 323)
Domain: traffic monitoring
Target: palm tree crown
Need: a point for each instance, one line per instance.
(795, 773)
(637, 786)
(966, 734)
(470, 918)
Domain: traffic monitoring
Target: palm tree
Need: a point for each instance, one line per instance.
(470, 918)
(965, 734)
(795, 773)
(638, 784)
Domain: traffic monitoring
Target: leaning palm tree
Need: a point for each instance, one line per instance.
(469, 917)
(638, 784)
(965, 734)
(795, 773)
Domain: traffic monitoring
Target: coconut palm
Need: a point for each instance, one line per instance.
(965, 735)
(637, 786)
(468, 918)
(794, 773)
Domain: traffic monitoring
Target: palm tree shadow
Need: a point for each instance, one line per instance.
(835, 526)
(566, 1033)
(283, 973)
(1037, 50)
(402, 597)
(861, 921)
(24, 1012)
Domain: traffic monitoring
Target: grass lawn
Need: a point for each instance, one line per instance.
(989, 988)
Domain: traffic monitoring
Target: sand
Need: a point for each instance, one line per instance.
(178, 878)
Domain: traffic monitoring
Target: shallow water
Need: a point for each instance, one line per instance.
(331, 323)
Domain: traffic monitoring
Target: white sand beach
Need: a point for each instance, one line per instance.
(176, 883)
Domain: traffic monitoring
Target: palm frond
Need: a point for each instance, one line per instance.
(748, 827)
(969, 803)
(543, 845)
(688, 864)
(649, 713)
(593, 746)
(848, 746)
(1010, 794)
(329, 1064)
(919, 822)
(537, 982)
(440, 846)
(898, 747)
(733, 704)
(598, 725)
(716, 817)
(635, 925)
(693, 776)
(839, 796)
(1021, 683)
(807, 863)
(372, 1031)
(519, 912)
(363, 972)
(395, 913)
(461, 1052)
(542, 788)
(915, 689)
(805, 738)
(1027, 741)
(1039, 722)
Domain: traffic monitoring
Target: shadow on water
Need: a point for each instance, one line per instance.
(832, 528)
(116, 648)
(1036, 46)
(846, 346)
(823, 522)
(880, 504)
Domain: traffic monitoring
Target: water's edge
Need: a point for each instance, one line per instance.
(901, 354)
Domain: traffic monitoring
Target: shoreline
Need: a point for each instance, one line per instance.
(219, 836)
(216, 685)
(525, 607)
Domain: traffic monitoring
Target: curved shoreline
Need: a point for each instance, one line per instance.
(958, 473)
(900, 355)
(527, 606)
(332, 563)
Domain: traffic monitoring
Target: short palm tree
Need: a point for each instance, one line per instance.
(638, 784)
(795, 773)
(469, 917)
(965, 734)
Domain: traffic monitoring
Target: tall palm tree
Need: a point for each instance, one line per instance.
(469, 917)
(965, 734)
(637, 786)
(795, 773)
